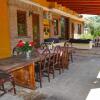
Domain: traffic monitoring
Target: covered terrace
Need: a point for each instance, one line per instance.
(36, 70)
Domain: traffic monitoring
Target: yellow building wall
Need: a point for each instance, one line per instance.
(42, 2)
(4, 30)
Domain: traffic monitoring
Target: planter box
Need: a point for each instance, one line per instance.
(79, 41)
(81, 44)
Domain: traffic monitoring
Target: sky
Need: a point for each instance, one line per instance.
(86, 15)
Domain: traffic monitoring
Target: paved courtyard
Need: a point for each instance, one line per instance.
(72, 84)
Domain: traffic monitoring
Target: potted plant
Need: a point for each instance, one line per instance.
(25, 47)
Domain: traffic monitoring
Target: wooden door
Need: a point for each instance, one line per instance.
(67, 28)
(36, 31)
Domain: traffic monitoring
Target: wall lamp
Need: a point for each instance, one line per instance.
(30, 13)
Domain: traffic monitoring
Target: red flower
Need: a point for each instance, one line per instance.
(20, 43)
(25, 46)
(31, 43)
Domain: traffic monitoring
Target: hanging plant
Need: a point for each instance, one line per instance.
(46, 31)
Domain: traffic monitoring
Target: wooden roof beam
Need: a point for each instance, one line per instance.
(80, 9)
(75, 1)
(81, 6)
(89, 12)
(95, 11)
(85, 8)
(84, 4)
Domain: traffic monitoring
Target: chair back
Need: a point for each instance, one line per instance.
(43, 46)
(45, 62)
(67, 44)
(64, 52)
(46, 51)
(57, 52)
(57, 49)
(15, 52)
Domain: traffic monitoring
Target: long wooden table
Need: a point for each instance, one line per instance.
(21, 68)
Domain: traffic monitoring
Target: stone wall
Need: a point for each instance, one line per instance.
(15, 5)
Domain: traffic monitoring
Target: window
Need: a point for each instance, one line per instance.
(45, 14)
(63, 25)
(55, 27)
(21, 23)
(79, 28)
(73, 28)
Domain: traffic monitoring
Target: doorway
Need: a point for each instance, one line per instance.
(65, 28)
(35, 26)
(72, 30)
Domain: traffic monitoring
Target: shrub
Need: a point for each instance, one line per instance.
(86, 36)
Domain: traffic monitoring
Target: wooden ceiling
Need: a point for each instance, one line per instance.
(81, 6)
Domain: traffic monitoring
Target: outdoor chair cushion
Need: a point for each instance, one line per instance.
(55, 40)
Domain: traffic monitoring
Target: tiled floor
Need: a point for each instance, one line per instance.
(75, 83)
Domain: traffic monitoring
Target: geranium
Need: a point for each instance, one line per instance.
(25, 46)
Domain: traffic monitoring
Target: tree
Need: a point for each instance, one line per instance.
(93, 23)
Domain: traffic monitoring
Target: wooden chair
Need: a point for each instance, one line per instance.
(43, 46)
(42, 69)
(38, 76)
(57, 51)
(6, 77)
(51, 60)
(15, 52)
(64, 61)
(46, 52)
(52, 65)
(69, 47)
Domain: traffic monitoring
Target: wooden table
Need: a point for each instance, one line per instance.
(21, 68)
